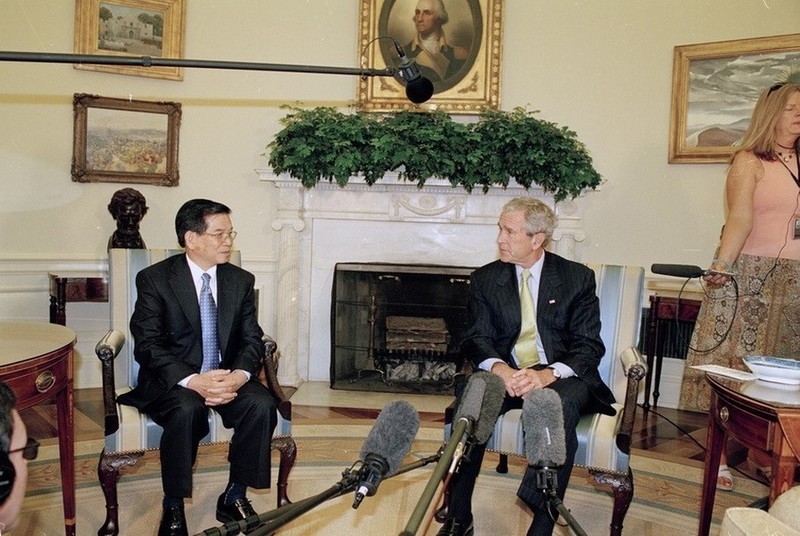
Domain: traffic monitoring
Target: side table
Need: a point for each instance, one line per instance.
(761, 417)
(662, 311)
(75, 287)
(36, 361)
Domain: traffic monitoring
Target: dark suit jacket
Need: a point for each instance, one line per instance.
(166, 326)
(567, 319)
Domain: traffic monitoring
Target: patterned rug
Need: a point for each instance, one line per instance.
(665, 500)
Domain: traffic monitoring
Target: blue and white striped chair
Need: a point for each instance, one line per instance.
(603, 441)
(129, 433)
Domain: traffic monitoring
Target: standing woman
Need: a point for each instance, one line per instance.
(760, 243)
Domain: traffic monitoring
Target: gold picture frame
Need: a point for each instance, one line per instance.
(714, 89)
(131, 28)
(122, 140)
(465, 80)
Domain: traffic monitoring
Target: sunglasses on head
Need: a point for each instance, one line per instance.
(776, 87)
(30, 451)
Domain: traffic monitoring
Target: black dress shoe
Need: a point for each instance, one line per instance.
(240, 509)
(173, 522)
(454, 527)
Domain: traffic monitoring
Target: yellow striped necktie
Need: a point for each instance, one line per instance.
(525, 348)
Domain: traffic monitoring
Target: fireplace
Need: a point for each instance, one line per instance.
(397, 327)
(390, 222)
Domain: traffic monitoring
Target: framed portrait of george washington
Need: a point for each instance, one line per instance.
(456, 44)
(151, 28)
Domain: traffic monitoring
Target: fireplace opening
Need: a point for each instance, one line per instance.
(397, 327)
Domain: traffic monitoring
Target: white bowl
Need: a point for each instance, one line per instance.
(774, 369)
(773, 392)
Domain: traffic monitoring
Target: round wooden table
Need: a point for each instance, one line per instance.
(36, 361)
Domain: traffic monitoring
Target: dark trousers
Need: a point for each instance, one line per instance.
(575, 399)
(183, 415)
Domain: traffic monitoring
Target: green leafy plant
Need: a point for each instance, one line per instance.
(325, 144)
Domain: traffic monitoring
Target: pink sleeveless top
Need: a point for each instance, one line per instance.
(775, 209)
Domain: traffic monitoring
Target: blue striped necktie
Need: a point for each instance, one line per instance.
(208, 323)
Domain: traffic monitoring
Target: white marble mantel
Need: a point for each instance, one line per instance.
(392, 221)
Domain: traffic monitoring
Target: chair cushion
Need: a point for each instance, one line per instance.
(742, 521)
(786, 507)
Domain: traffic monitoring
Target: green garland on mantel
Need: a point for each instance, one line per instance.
(325, 144)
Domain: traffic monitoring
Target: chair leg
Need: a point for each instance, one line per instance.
(288, 453)
(108, 473)
(622, 487)
(502, 464)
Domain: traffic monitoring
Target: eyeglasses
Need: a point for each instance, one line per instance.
(219, 237)
(30, 451)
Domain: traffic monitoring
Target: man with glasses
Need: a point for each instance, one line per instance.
(193, 355)
(16, 449)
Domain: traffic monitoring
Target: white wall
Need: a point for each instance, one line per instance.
(601, 68)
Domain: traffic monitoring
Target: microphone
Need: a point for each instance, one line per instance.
(418, 88)
(686, 271)
(545, 442)
(493, 397)
(385, 446)
(474, 418)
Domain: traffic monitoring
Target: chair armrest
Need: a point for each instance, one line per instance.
(634, 366)
(268, 375)
(107, 350)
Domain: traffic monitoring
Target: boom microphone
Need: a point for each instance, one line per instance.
(385, 446)
(418, 88)
(686, 271)
(545, 442)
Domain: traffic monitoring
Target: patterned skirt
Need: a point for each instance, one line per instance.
(764, 320)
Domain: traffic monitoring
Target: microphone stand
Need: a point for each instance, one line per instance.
(461, 431)
(547, 482)
(268, 522)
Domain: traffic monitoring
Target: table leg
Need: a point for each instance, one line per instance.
(58, 311)
(714, 446)
(66, 450)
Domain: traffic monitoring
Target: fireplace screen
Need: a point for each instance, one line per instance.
(397, 327)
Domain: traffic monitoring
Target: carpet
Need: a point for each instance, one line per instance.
(665, 499)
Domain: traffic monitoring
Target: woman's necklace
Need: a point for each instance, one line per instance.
(785, 160)
(788, 156)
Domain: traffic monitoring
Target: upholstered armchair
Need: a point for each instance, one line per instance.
(128, 433)
(603, 441)
(782, 519)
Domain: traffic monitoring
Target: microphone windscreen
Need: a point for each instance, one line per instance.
(392, 434)
(469, 407)
(686, 271)
(543, 423)
(492, 402)
(419, 90)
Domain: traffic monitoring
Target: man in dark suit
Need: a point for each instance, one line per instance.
(560, 349)
(198, 345)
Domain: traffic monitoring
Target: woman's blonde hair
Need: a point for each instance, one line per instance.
(760, 137)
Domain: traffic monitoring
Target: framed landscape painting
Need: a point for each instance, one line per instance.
(464, 69)
(119, 140)
(152, 28)
(714, 89)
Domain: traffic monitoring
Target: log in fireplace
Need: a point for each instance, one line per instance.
(397, 327)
